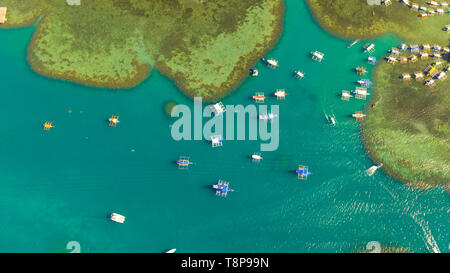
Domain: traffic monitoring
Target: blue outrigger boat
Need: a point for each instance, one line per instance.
(365, 82)
(222, 188)
(302, 172)
(183, 162)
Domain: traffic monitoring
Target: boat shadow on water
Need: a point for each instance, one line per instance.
(339, 95)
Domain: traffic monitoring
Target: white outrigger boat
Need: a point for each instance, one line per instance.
(299, 74)
(271, 62)
(117, 218)
(345, 95)
(360, 93)
(171, 250)
(218, 108)
(317, 56)
(266, 116)
(280, 94)
(256, 157)
(369, 48)
(364, 82)
(216, 141)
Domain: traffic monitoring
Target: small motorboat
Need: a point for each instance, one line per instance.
(255, 72)
(171, 250)
(117, 218)
(331, 119)
(370, 171)
(352, 44)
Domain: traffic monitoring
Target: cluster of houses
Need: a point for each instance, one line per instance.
(437, 8)
(417, 52)
(431, 73)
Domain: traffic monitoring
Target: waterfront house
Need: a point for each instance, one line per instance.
(3, 15)
(424, 56)
(418, 76)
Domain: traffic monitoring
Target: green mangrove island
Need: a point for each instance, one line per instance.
(207, 47)
(408, 129)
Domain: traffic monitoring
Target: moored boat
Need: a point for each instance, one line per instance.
(352, 44)
(117, 218)
(266, 116)
(271, 62)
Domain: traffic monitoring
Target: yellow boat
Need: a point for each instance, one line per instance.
(113, 121)
(48, 125)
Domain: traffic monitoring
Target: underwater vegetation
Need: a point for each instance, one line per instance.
(205, 46)
(408, 129)
(356, 19)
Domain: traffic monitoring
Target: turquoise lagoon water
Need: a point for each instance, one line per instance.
(60, 186)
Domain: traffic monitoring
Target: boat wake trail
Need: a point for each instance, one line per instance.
(430, 242)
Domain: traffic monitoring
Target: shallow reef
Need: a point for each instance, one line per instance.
(205, 46)
(408, 129)
(354, 19)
